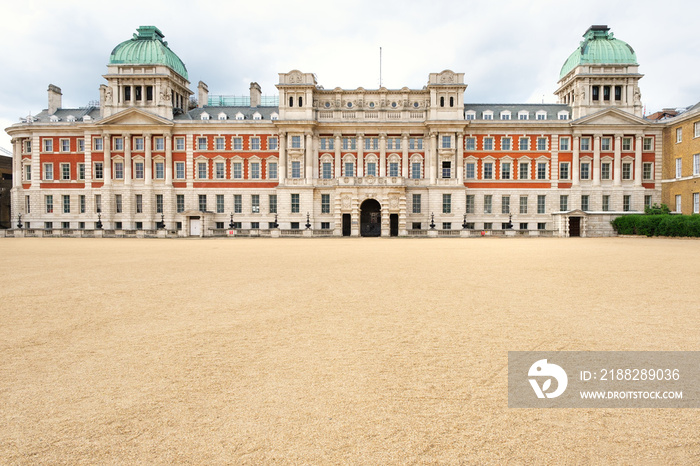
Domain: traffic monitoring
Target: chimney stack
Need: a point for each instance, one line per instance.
(55, 99)
(202, 95)
(255, 95)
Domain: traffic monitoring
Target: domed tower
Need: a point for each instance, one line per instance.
(602, 72)
(143, 72)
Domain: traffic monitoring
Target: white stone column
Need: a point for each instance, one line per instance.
(459, 164)
(16, 162)
(316, 173)
(282, 171)
(360, 155)
(127, 156)
(148, 168)
(638, 161)
(189, 165)
(338, 168)
(168, 159)
(382, 154)
(596, 160)
(432, 158)
(404, 155)
(36, 163)
(575, 176)
(308, 155)
(617, 180)
(87, 160)
(107, 161)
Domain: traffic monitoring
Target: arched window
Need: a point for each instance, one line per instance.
(301, 102)
(291, 101)
(452, 101)
(442, 101)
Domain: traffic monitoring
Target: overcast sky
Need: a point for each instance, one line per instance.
(510, 51)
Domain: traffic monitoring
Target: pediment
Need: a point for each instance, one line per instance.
(610, 117)
(135, 116)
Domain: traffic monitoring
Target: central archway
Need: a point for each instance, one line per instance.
(370, 218)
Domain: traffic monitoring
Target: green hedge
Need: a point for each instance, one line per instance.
(658, 225)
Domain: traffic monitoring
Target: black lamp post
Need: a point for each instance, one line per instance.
(98, 225)
(308, 224)
(510, 221)
(162, 221)
(464, 223)
(232, 226)
(276, 225)
(432, 221)
(19, 221)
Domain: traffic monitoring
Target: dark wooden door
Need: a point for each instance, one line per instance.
(574, 226)
(347, 224)
(394, 224)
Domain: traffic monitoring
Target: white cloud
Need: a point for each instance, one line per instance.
(510, 51)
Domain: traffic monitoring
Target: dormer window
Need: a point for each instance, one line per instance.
(274, 116)
(239, 116)
(470, 115)
(541, 115)
(505, 115)
(87, 118)
(257, 116)
(523, 115)
(70, 119)
(54, 119)
(204, 116)
(488, 115)
(222, 116)
(563, 115)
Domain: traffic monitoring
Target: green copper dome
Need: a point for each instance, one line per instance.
(599, 46)
(147, 48)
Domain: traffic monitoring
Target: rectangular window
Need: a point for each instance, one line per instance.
(564, 144)
(159, 144)
(48, 145)
(201, 143)
(97, 144)
(470, 172)
(371, 143)
(179, 143)
(49, 203)
(415, 170)
(180, 170)
(349, 143)
(505, 204)
(255, 203)
(272, 143)
(523, 143)
(679, 135)
(646, 172)
(296, 142)
(584, 202)
(325, 203)
(564, 171)
(679, 167)
(254, 170)
(647, 200)
(605, 171)
(488, 203)
(327, 171)
(606, 202)
(65, 171)
(470, 206)
(295, 203)
(696, 129)
(605, 144)
(220, 143)
(219, 203)
(325, 225)
(273, 203)
(505, 170)
(272, 170)
(180, 198)
(488, 143)
(446, 169)
(524, 170)
(98, 171)
(447, 203)
(65, 145)
(585, 144)
(447, 142)
(237, 143)
(118, 144)
(349, 169)
(626, 203)
(648, 144)
(541, 144)
(138, 144)
(563, 203)
(160, 170)
(415, 143)
(139, 204)
(627, 171)
(696, 201)
(81, 171)
(523, 204)
(27, 172)
(541, 170)
(371, 169)
(66, 204)
(220, 171)
(585, 170)
(237, 170)
(296, 169)
(470, 143)
(678, 203)
(505, 143)
(81, 145)
(626, 144)
(254, 143)
(98, 203)
(541, 203)
(237, 204)
(159, 203)
(138, 170)
(202, 202)
(541, 226)
(202, 170)
(446, 225)
(696, 164)
(118, 203)
(488, 170)
(118, 170)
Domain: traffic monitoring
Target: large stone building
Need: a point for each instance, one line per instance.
(681, 166)
(342, 161)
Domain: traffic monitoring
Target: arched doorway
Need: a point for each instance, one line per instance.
(370, 218)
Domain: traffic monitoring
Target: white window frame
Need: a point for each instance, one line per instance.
(564, 144)
(179, 144)
(47, 145)
(64, 145)
(679, 167)
(562, 166)
(47, 170)
(202, 141)
(506, 143)
(679, 135)
(180, 174)
(606, 144)
(650, 171)
(679, 203)
(650, 146)
(220, 143)
(159, 143)
(63, 171)
(696, 164)
(585, 144)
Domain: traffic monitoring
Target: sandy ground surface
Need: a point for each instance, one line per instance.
(325, 351)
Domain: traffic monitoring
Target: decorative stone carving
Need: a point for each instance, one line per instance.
(394, 201)
(345, 201)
